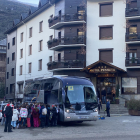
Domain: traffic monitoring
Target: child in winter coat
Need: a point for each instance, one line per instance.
(35, 114)
(14, 117)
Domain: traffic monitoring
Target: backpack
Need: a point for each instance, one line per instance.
(44, 111)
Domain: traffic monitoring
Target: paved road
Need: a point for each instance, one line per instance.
(113, 128)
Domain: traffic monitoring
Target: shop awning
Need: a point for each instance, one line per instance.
(102, 67)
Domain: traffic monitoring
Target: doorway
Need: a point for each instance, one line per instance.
(108, 83)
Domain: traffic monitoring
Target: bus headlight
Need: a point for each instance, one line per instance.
(69, 110)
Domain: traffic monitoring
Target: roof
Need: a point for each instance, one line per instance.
(16, 21)
(25, 17)
(3, 42)
(73, 80)
(32, 10)
(103, 62)
(43, 2)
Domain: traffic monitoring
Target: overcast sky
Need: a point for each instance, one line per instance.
(30, 1)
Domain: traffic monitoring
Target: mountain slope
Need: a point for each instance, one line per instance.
(10, 10)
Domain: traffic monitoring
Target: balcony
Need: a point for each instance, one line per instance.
(66, 65)
(59, 21)
(132, 13)
(132, 38)
(62, 42)
(129, 62)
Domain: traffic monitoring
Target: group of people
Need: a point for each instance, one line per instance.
(33, 115)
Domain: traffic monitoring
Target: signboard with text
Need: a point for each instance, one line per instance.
(102, 69)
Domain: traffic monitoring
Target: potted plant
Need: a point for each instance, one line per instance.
(54, 62)
(50, 20)
(117, 94)
(49, 64)
(134, 107)
(49, 42)
(55, 18)
(55, 40)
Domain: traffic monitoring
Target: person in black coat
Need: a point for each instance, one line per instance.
(8, 114)
(108, 108)
(48, 116)
(54, 116)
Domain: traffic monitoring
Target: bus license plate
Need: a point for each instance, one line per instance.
(83, 117)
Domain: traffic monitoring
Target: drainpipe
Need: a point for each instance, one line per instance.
(25, 55)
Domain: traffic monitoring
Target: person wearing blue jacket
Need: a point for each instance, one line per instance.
(42, 117)
(108, 108)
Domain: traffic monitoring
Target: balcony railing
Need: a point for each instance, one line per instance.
(66, 64)
(66, 41)
(66, 18)
(130, 12)
(132, 37)
(132, 61)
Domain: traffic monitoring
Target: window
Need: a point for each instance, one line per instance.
(21, 70)
(129, 85)
(41, 26)
(7, 75)
(106, 55)
(8, 46)
(2, 57)
(133, 4)
(50, 58)
(20, 86)
(81, 12)
(21, 37)
(106, 33)
(12, 88)
(30, 67)
(30, 32)
(13, 56)
(132, 57)
(106, 9)
(59, 57)
(8, 60)
(40, 64)
(80, 32)
(133, 29)
(30, 50)
(40, 45)
(13, 41)
(2, 69)
(12, 72)
(21, 53)
(6, 90)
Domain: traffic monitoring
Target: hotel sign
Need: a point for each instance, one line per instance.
(102, 70)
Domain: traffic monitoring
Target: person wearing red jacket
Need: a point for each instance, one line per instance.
(35, 114)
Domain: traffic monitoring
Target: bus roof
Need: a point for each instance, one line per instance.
(73, 80)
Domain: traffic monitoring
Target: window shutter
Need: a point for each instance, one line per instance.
(106, 55)
(106, 9)
(106, 33)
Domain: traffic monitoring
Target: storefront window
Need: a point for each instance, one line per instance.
(129, 85)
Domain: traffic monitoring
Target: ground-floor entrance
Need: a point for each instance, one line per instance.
(109, 83)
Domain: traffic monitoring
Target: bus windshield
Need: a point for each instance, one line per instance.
(81, 94)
